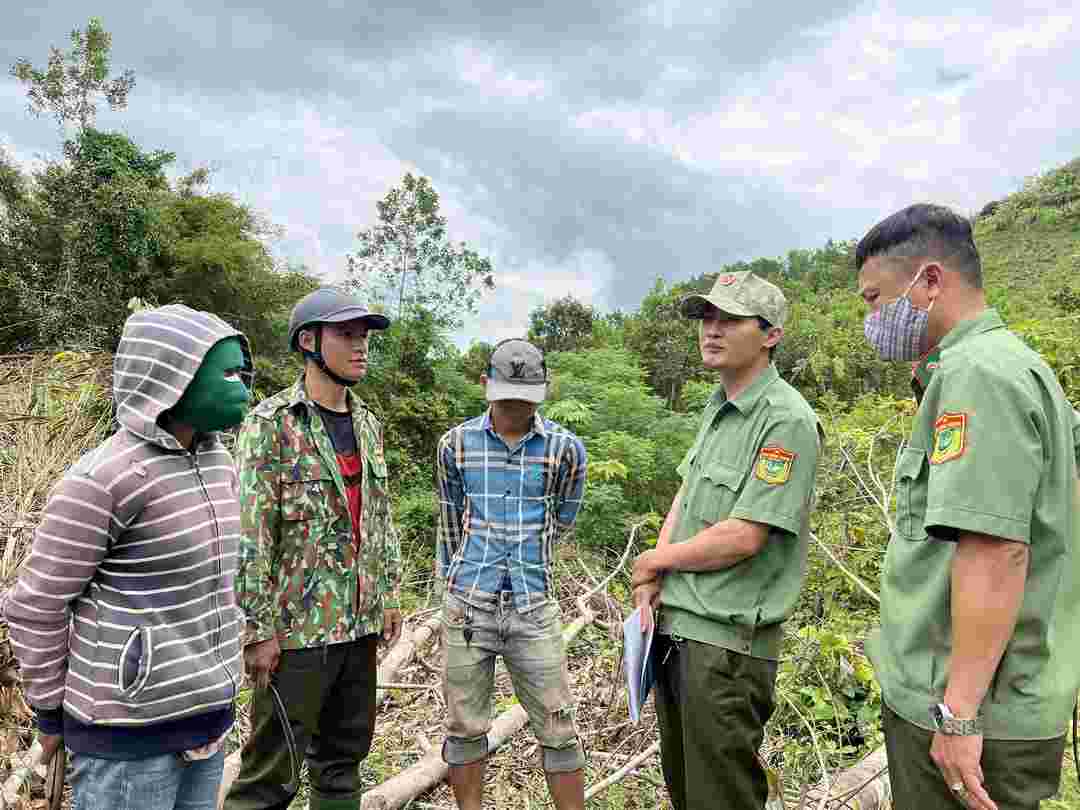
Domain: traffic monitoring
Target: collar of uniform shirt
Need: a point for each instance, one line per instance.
(748, 398)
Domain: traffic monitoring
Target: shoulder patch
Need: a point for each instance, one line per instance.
(950, 437)
(774, 465)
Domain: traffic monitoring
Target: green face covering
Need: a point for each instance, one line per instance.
(216, 398)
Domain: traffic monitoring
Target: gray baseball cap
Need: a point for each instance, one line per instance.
(517, 371)
(741, 294)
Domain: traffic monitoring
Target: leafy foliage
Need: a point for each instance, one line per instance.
(562, 326)
(68, 86)
(407, 258)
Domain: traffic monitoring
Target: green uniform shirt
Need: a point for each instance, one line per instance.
(301, 575)
(755, 458)
(992, 452)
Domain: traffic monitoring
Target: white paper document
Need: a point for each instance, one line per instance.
(640, 673)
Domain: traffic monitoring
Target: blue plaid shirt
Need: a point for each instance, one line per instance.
(502, 508)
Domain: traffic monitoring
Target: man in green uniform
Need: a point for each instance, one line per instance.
(980, 603)
(731, 557)
(319, 564)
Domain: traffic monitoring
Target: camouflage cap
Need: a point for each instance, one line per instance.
(743, 295)
(517, 371)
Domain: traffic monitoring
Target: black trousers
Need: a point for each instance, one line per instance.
(712, 705)
(329, 694)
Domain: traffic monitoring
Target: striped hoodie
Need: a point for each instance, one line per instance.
(124, 612)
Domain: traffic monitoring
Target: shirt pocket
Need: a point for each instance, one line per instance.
(717, 491)
(912, 472)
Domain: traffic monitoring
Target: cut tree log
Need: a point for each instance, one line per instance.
(430, 769)
(864, 786)
(399, 655)
(402, 653)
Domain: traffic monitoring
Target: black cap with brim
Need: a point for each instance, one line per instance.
(374, 320)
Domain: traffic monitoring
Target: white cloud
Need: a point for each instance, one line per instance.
(667, 138)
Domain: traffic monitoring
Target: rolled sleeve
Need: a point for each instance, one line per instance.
(779, 489)
(986, 479)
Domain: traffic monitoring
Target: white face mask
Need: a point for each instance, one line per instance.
(897, 330)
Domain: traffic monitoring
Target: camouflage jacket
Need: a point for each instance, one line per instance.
(300, 575)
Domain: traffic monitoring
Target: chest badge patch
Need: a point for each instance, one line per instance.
(950, 437)
(774, 465)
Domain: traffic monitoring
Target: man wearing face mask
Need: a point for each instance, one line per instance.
(319, 565)
(980, 603)
(124, 619)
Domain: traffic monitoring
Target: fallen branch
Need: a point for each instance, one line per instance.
(618, 775)
(864, 786)
(862, 585)
(403, 652)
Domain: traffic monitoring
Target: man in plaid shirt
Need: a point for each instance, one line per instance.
(510, 484)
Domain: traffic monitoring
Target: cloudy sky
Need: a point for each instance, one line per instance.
(586, 147)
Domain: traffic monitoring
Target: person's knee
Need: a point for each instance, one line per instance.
(464, 750)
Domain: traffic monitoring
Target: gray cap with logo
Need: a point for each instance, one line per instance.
(741, 294)
(517, 371)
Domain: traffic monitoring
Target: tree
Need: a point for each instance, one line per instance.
(562, 326)
(665, 341)
(474, 361)
(408, 256)
(69, 85)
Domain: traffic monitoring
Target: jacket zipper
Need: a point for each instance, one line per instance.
(217, 553)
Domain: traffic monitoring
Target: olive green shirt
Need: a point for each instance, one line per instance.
(991, 452)
(755, 458)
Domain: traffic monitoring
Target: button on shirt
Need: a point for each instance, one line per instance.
(502, 508)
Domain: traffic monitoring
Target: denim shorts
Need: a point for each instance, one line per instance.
(531, 646)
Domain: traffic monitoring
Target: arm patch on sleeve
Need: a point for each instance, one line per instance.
(774, 465)
(950, 437)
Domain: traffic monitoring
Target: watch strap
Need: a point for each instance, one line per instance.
(961, 726)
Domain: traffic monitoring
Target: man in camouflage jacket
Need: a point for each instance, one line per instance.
(319, 564)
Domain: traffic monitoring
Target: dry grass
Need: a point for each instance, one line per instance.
(53, 408)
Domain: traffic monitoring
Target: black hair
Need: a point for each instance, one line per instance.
(923, 229)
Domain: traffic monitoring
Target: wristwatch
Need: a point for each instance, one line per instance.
(948, 723)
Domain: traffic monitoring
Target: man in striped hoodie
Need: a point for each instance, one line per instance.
(124, 619)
